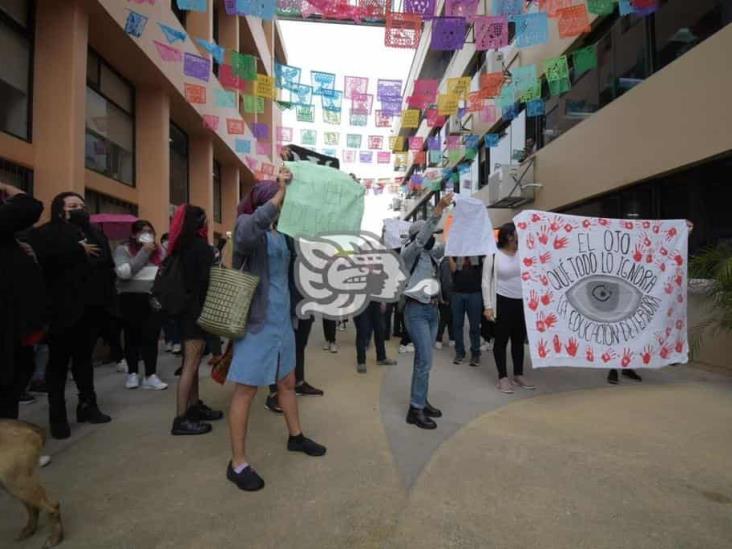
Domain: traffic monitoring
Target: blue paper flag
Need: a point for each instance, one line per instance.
(492, 139)
(287, 77)
(264, 9)
(627, 8)
(216, 51)
(135, 24)
(531, 29)
(471, 141)
(224, 98)
(509, 113)
(508, 7)
(302, 94)
(535, 107)
(322, 82)
(192, 5)
(243, 146)
(172, 35)
(330, 152)
(331, 100)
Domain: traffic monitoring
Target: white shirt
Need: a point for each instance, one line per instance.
(508, 270)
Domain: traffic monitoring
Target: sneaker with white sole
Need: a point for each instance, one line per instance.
(333, 348)
(438, 344)
(153, 382)
(43, 460)
(168, 347)
(452, 343)
(326, 346)
(122, 366)
(133, 381)
(487, 346)
(406, 348)
(177, 349)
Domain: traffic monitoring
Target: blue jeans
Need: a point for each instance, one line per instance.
(421, 321)
(472, 304)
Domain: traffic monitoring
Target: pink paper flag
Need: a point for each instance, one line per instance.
(416, 143)
(264, 148)
(284, 135)
(489, 114)
(383, 157)
(235, 126)
(211, 121)
(168, 53)
(251, 162)
(376, 142)
(354, 84)
(382, 120)
(491, 33)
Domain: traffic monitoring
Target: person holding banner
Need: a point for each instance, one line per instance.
(503, 302)
(266, 353)
(421, 255)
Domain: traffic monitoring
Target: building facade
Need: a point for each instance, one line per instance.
(86, 106)
(644, 134)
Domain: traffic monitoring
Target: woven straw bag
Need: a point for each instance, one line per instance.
(226, 308)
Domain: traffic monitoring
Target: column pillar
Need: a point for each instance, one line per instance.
(229, 201)
(199, 24)
(200, 165)
(59, 98)
(152, 126)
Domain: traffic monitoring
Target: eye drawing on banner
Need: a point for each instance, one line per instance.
(135, 24)
(615, 288)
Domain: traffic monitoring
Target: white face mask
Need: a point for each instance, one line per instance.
(145, 238)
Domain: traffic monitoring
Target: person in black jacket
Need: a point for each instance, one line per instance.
(21, 297)
(79, 274)
(189, 244)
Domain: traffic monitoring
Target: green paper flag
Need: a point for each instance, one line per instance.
(532, 91)
(556, 68)
(320, 200)
(253, 104)
(470, 154)
(305, 113)
(584, 59)
(454, 155)
(558, 87)
(601, 7)
(244, 66)
(435, 185)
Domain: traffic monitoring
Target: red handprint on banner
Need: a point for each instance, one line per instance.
(535, 217)
(546, 322)
(557, 344)
(544, 280)
(671, 233)
(522, 226)
(679, 324)
(529, 261)
(678, 259)
(590, 354)
(542, 349)
(533, 302)
(545, 258)
(546, 299)
(560, 243)
(555, 225)
(647, 354)
(526, 276)
(530, 242)
(543, 236)
(572, 347)
(629, 225)
(664, 352)
(680, 344)
(637, 255)
(608, 355)
(587, 223)
(627, 358)
(604, 222)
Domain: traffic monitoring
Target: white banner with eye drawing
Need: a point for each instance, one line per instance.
(604, 293)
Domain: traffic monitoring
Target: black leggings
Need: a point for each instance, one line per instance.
(142, 331)
(510, 324)
(329, 330)
(12, 388)
(302, 334)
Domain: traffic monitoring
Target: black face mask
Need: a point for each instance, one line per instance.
(430, 243)
(79, 217)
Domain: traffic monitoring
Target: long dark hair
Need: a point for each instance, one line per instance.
(58, 214)
(140, 224)
(506, 231)
(193, 226)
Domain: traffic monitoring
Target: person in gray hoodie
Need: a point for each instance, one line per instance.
(136, 265)
(421, 256)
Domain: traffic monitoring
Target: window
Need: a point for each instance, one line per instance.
(110, 122)
(101, 203)
(217, 197)
(16, 45)
(16, 175)
(178, 165)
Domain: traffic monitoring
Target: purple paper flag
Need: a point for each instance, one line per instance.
(196, 66)
(388, 88)
(448, 33)
(425, 8)
(260, 130)
(365, 157)
(461, 8)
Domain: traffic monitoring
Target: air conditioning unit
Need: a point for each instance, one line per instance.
(512, 186)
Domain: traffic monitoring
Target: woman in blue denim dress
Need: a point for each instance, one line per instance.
(266, 353)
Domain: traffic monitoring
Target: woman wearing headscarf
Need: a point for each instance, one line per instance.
(266, 353)
(79, 273)
(21, 297)
(188, 244)
(136, 264)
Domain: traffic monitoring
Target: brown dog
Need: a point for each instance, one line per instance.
(20, 447)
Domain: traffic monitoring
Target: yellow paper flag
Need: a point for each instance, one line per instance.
(459, 86)
(447, 104)
(396, 143)
(410, 118)
(264, 86)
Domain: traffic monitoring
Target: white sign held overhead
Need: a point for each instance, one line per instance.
(395, 232)
(472, 231)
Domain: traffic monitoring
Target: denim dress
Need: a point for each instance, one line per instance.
(269, 355)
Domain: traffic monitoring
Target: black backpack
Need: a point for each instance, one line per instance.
(169, 288)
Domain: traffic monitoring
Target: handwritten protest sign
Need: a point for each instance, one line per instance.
(604, 293)
(320, 200)
(395, 232)
(472, 231)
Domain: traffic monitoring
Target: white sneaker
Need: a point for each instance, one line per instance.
(406, 348)
(153, 382)
(452, 343)
(333, 348)
(168, 347)
(326, 346)
(487, 346)
(133, 381)
(177, 349)
(122, 366)
(438, 344)
(43, 461)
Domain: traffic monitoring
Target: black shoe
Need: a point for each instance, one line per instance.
(183, 425)
(38, 386)
(178, 371)
(305, 389)
(90, 412)
(60, 430)
(631, 374)
(475, 360)
(417, 417)
(301, 443)
(201, 412)
(458, 359)
(431, 411)
(612, 377)
(247, 480)
(26, 398)
(272, 404)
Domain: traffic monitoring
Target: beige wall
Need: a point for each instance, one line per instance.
(675, 118)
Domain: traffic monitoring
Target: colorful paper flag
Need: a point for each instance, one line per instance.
(172, 35)
(228, 79)
(216, 51)
(284, 135)
(535, 107)
(382, 120)
(531, 29)
(459, 87)
(243, 146)
(264, 148)
(235, 126)
(410, 118)
(361, 103)
(448, 33)
(583, 60)
(556, 68)
(168, 53)
(447, 104)
(135, 24)
(423, 8)
(508, 7)
(416, 143)
(573, 21)
(375, 142)
(403, 30)
(353, 140)
(196, 66)
(322, 82)
(194, 93)
(244, 66)
(192, 5)
(492, 139)
(383, 157)
(601, 7)
(286, 76)
(331, 100)
(355, 85)
(264, 87)
(491, 83)
(491, 33)
(332, 117)
(308, 137)
(260, 130)
(388, 89)
(305, 113)
(331, 138)
(365, 157)
(253, 104)
(225, 99)
(210, 121)
(349, 156)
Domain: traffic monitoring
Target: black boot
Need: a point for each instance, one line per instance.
(183, 425)
(201, 412)
(431, 411)
(60, 430)
(631, 374)
(417, 417)
(87, 410)
(612, 377)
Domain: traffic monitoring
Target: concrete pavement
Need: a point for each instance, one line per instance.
(576, 463)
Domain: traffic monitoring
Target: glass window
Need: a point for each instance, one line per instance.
(101, 203)
(16, 175)
(217, 196)
(15, 68)
(178, 165)
(114, 88)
